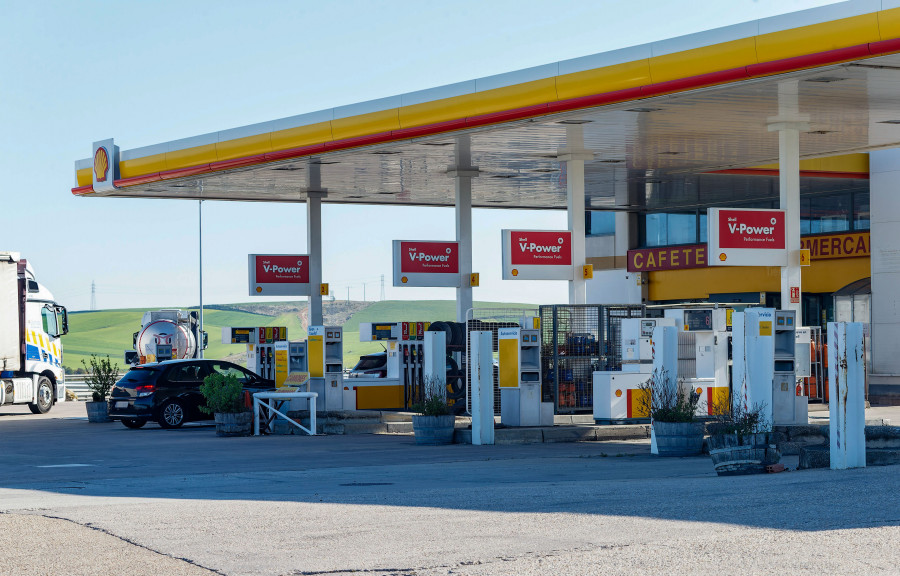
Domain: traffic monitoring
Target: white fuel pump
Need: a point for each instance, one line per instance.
(764, 365)
(520, 377)
(617, 394)
(703, 341)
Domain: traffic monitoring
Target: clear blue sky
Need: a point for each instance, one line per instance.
(149, 72)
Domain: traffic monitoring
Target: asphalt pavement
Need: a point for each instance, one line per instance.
(79, 498)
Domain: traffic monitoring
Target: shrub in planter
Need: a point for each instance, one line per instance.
(225, 401)
(101, 376)
(740, 441)
(433, 424)
(672, 411)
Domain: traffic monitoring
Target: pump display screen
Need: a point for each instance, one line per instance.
(697, 320)
(240, 335)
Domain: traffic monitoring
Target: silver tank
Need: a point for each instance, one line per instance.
(166, 333)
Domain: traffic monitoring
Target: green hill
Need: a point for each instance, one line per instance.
(110, 332)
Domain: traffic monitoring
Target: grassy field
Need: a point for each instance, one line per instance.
(110, 332)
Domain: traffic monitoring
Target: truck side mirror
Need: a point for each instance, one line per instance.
(62, 320)
(204, 340)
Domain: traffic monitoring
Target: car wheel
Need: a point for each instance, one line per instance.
(44, 397)
(133, 423)
(171, 414)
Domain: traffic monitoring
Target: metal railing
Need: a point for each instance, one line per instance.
(76, 383)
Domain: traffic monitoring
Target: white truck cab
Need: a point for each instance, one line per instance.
(31, 324)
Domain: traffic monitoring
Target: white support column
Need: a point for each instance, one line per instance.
(788, 124)
(574, 156)
(314, 195)
(462, 172)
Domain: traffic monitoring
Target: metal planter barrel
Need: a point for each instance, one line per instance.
(97, 412)
(734, 455)
(234, 424)
(434, 430)
(678, 438)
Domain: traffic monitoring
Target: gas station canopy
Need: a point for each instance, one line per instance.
(669, 125)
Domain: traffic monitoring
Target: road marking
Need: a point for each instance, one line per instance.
(63, 465)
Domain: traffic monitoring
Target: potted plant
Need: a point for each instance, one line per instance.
(740, 441)
(100, 378)
(225, 401)
(433, 424)
(672, 410)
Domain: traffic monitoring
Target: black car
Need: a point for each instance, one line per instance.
(169, 392)
(370, 366)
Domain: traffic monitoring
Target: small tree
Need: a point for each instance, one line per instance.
(101, 376)
(224, 394)
(664, 401)
(434, 398)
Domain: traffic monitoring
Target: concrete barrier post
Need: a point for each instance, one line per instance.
(482, 379)
(846, 395)
(665, 366)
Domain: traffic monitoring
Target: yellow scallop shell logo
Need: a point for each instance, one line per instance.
(618, 393)
(723, 257)
(258, 289)
(515, 272)
(101, 164)
(404, 279)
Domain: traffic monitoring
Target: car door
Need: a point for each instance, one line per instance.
(184, 380)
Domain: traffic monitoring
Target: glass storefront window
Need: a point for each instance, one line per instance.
(682, 228)
(861, 211)
(829, 214)
(655, 230)
(600, 224)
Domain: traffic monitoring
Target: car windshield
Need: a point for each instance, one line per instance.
(137, 376)
(370, 362)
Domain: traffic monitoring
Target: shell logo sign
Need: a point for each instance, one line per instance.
(537, 255)
(746, 237)
(426, 263)
(101, 164)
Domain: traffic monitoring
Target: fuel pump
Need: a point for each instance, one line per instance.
(764, 365)
(267, 349)
(617, 394)
(326, 365)
(703, 344)
(520, 377)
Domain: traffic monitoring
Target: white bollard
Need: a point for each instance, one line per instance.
(665, 363)
(846, 395)
(482, 379)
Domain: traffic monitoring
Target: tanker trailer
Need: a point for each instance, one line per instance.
(166, 335)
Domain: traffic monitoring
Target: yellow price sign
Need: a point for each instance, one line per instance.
(765, 327)
(805, 257)
(587, 271)
(473, 279)
(323, 289)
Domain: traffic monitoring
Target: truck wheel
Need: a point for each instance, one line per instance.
(133, 423)
(44, 397)
(171, 414)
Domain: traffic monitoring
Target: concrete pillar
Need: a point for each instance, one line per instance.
(314, 195)
(846, 391)
(884, 170)
(788, 124)
(574, 155)
(462, 172)
(482, 379)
